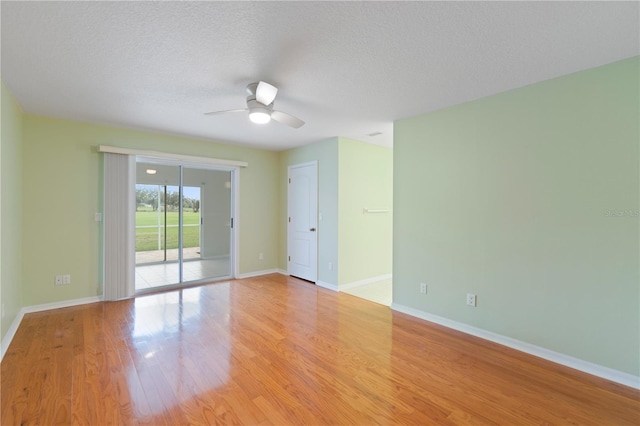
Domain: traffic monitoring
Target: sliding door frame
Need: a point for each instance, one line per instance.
(118, 270)
(234, 172)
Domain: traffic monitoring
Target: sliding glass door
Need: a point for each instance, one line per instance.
(183, 224)
(206, 247)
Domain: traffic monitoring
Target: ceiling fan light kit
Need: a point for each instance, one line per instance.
(260, 106)
(259, 113)
(259, 117)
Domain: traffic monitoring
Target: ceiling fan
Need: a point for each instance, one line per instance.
(260, 106)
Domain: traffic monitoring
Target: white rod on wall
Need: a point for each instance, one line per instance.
(365, 210)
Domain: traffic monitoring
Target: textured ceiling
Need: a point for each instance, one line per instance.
(346, 68)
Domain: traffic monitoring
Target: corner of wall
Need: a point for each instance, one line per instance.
(365, 236)
(326, 153)
(11, 160)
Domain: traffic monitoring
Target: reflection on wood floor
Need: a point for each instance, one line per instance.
(276, 350)
(167, 273)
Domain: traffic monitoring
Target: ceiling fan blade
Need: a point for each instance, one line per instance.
(266, 93)
(289, 120)
(224, 112)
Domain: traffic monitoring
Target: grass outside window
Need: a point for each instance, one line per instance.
(147, 238)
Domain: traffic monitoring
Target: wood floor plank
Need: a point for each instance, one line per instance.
(277, 350)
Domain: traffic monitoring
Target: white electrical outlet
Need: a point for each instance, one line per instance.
(423, 288)
(66, 279)
(58, 280)
(471, 299)
(261, 256)
(330, 266)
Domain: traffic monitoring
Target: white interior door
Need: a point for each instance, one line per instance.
(302, 234)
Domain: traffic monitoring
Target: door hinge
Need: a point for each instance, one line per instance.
(289, 180)
(231, 222)
(289, 258)
(289, 219)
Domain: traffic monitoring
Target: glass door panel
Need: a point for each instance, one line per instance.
(190, 222)
(183, 224)
(157, 225)
(207, 224)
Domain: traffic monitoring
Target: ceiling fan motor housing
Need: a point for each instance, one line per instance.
(258, 112)
(255, 106)
(252, 99)
(251, 89)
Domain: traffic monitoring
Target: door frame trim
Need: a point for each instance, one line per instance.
(289, 168)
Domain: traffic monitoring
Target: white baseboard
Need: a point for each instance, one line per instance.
(63, 304)
(328, 286)
(11, 332)
(214, 257)
(257, 273)
(354, 284)
(6, 341)
(283, 272)
(557, 357)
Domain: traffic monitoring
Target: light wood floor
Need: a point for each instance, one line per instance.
(276, 350)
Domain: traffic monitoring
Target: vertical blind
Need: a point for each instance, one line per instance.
(119, 226)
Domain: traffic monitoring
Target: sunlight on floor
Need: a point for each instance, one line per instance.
(379, 292)
(158, 275)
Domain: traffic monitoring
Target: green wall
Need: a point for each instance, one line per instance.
(528, 199)
(351, 175)
(10, 209)
(62, 176)
(364, 239)
(326, 154)
(62, 191)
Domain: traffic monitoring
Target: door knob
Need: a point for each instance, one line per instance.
(312, 229)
